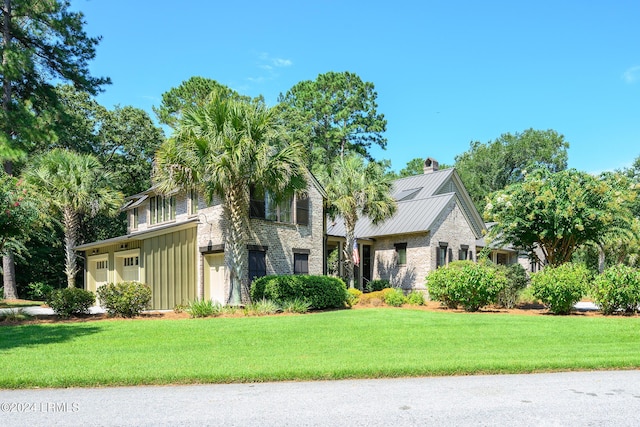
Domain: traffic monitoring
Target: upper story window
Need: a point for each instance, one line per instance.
(134, 219)
(162, 209)
(193, 201)
(290, 210)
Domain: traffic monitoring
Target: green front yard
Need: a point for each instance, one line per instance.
(366, 343)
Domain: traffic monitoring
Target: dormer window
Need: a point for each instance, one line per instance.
(162, 209)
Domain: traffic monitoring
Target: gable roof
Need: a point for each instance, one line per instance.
(421, 200)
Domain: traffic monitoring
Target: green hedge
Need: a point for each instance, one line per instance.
(469, 284)
(319, 291)
(617, 288)
(126, 299)
(559, 288)
(70, 301)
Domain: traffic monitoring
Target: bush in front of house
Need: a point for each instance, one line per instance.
(617, 288)
(353, 296)
(517, 280)
(204, 308)
(415, 298)
(465, 283)
(395, 297)
(320, 291)
(126, 299)
(559, 288)
(38, 291)
(376, 285)
(70, 301)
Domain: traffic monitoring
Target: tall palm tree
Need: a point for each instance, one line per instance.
(74, 184)
(223, 149)
(354, 190)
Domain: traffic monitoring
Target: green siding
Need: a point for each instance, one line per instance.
(170, 268)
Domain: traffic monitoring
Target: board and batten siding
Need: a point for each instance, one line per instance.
(170, 267)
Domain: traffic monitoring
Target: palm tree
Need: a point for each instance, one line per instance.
(354, 190)
(223, 149)
(74, 184)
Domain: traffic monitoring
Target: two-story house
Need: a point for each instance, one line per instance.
(175, 244)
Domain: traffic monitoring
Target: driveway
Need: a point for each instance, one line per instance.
(558, 399)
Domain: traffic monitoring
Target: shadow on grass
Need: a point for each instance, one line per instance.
(42, 334)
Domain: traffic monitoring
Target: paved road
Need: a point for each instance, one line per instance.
(562, 399)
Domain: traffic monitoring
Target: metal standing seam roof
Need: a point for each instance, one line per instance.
(411, 216)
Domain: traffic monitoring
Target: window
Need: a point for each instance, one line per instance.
(263, 205)
(102, 265)
(162, 209)
(257, 265)
(441, 254)
(193, 201)
(401, 252)
(300, 263)
(463, 253)
(131, 261)
(134, 219)
(302, 210)
(502, 259)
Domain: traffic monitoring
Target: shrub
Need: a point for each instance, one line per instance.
(415, 298)
(70, 301)
(517, 280)
(526, 296)
(262, 307)
(395, 298)
(126, 299)
(320, 291)
(375, 298)
(38, 291)
(466, 283)
(296, 306)
(559, 288)
(377, 285)
(204, 308)
(617, 288)
(353, 296)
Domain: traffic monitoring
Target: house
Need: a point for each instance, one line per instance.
(175, 244)
(435, 223)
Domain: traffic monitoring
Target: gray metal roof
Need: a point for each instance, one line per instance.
(428, 184)
(412, 216)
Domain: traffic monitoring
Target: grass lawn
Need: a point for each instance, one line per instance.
(367, 343)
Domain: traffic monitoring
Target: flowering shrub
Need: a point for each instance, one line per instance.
(559, 288)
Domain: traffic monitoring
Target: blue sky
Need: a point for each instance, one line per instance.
(446, 72)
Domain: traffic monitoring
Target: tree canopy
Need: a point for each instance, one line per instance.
(224, 148)
(73, 184)
(558, 212)
(356, 189)
(489, 167)
(334, 115)
(191, 93)
(40, 41)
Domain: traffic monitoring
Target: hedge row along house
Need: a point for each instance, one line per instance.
(175, 243)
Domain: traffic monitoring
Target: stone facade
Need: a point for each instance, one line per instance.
(451, 228)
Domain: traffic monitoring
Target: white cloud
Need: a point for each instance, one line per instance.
(632, 74)
(274, 62)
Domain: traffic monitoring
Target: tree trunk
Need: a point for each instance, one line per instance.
(348, 251)
(70, 221)
(8, 262)
(9, 277)
(236, 245)
(601, 259)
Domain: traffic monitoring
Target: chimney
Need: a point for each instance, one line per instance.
(430, 165)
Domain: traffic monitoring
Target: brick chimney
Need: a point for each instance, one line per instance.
(430, 165)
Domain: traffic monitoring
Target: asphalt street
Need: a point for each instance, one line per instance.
(602, 398)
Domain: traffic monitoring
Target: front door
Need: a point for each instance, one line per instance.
(215, 265)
